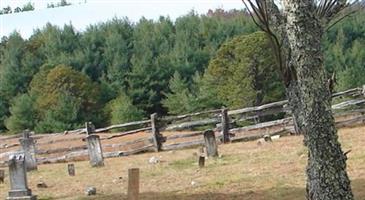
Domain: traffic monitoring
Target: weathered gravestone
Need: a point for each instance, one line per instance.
(18, 179)
(71, 169)
(29, 149)
(210, 143)
(95, 151)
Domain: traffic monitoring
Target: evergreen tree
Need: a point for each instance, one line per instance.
(151, 64)
(23, 114)
(179, 99)
(122, 110)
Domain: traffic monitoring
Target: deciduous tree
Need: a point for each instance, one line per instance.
(296, 32)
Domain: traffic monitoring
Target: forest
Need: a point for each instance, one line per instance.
(119, 71)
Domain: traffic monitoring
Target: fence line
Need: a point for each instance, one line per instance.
(222, 119)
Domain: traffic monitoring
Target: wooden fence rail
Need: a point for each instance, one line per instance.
(220, 119)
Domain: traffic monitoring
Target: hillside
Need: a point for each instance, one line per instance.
(244, 171)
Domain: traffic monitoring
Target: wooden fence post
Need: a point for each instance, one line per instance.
(210, 143)
(225, 125)
(71, 169)
(133, 184)
(89, 128)
(156, 136)
(29, 149)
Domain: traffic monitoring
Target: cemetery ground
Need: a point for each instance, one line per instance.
(245, 170)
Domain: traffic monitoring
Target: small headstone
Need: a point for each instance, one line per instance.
(201, 161)
(193, 183)
(71, 169)
(2, 176)
(90, 191)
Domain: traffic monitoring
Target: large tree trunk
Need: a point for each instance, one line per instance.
(327, 178)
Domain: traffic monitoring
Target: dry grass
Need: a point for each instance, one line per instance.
(245, 171)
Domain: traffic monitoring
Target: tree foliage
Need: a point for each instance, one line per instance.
(244, 72)
(159, 66)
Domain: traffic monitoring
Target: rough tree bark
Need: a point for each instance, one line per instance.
(326, 170)
(296, 34)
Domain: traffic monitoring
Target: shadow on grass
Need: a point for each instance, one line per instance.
(278, 193)
(284, 193)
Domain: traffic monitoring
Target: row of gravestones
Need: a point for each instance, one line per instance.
(21, 162)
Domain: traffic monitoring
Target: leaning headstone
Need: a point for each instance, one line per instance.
(18, 179)
(210, 143)
(71, 169)
(29, 149)
(95, 151)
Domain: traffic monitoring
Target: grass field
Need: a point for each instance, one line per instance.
(245, 171)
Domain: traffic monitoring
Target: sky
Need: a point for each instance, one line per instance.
(83, 13)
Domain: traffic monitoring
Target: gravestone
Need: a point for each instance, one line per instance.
(28, 147)
(95, 151)
(201, 161)
(71, 169)
(210, 143)
(18, 179)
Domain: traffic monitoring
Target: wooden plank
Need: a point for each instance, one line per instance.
(348, 103)
(182, 145)
(122, 125)
(350, 92)
(180, 117)
(258, 108)
(127, 143)
(191, 124)
(281, 122)
(127, 153)
(133, 184)
(171, 137)
(127, 133)
(60, 150)
(255, 136)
